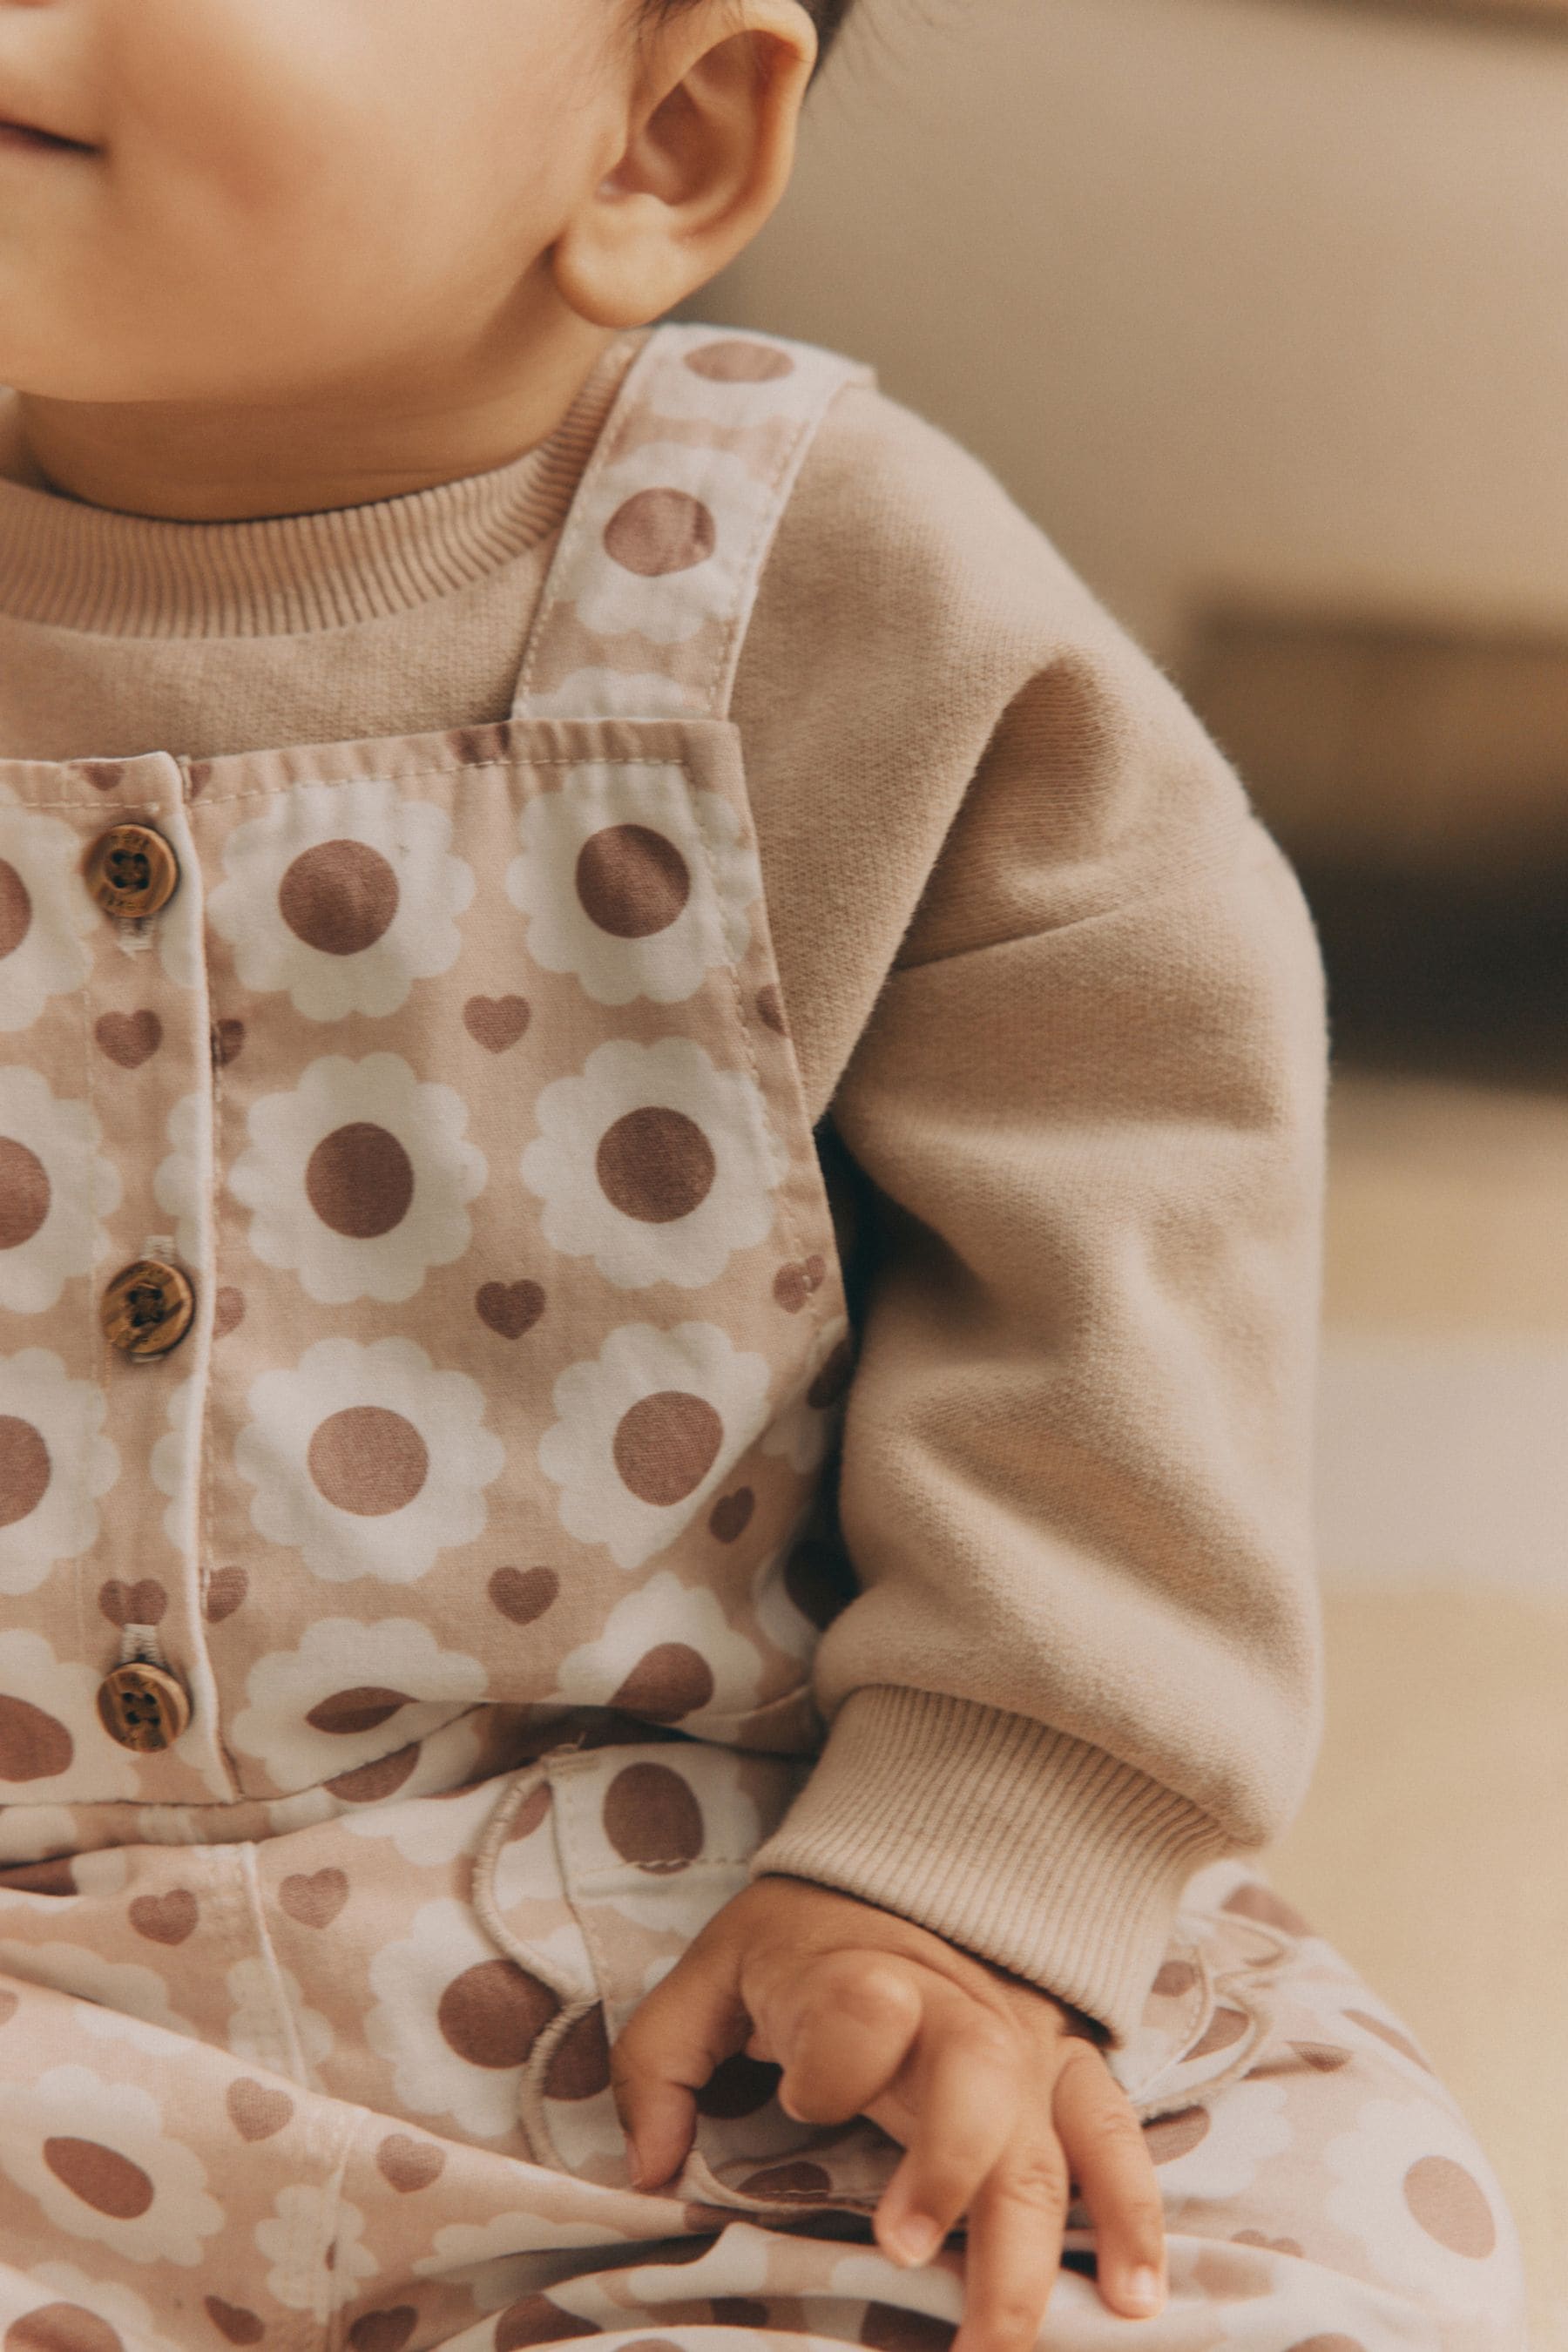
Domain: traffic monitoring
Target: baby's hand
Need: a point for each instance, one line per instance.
(985, 2079)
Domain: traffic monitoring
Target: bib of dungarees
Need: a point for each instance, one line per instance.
(442, 1085)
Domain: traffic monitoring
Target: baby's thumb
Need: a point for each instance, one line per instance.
(665, 2053)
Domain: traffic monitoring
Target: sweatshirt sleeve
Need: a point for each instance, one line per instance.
(1082, 1655)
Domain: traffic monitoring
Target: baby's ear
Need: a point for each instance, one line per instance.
(707, 106)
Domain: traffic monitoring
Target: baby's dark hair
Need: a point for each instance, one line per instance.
(828, 16)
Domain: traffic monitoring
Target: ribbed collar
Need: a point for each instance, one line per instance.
(89, 568)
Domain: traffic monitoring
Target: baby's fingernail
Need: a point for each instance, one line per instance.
(917, 2238)
(1144, 2289)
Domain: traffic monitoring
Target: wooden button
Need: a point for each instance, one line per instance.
(131, 870)
(147, 1308)
(144, 1706)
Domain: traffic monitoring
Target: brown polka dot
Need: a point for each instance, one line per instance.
(314, 1898)
(1169, 2137)
(794, 1283)
(666, 1444)
(737, 2311)
(1225, 2026)
(257, 2110)
(339, 897)
(1323, 2057)
(1252, 1900)
(384, 2331)
(655, 1164)
(494, 2013)
(1276, 2246)
(24, 1193)
(819, 1580)
(368, 1784)
(496, 1023)
(141, 1603)
(226, 1590)
(55, 1876)
(410, 2164)
(529, 1813)
(509, 1309)
(1334, 2342)
(61, 2328)
(228, 1036)
(661, 530)
(737, 360)
(891, 2327)
(797, 2179)
(360, 1181)
(15, 910)
(368, 1460)
(579, 2064)
(666, 1682)
(128, 1039)
(731, 1515)
(33, 1746)
(832, 1376)
(1450, 2206)
(101, 2177)
(360, 1710)
(523, 1594)
(631, 881)
(651, 1817)
(165, 1919)
(1384, 2031)
(770, 1008)
(738, 2085)
(1174, 1978)
(228, 1310)
(534, 2319)
(233, 2320)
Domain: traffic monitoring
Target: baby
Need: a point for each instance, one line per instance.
(660, 1180)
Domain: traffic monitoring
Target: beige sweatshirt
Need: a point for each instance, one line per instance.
(1059, 1009)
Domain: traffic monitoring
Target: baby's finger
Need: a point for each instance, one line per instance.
(853, 2017)
(1112, 2165)
(665, 2052)
(1015, 2243)
(970, 2075)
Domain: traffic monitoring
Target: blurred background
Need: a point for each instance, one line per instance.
(1259, 308)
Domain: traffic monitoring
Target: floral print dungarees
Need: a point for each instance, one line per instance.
(423, 1334)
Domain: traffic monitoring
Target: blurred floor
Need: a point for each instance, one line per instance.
(1442, 1791)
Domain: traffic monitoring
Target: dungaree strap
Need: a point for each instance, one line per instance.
(646, 605)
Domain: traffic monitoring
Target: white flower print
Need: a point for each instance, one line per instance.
(55, 1462)
(486, 2255)
(105, 2298)
(295, 2224)
(654, 1162)
(350, 1692)
(182, 1184)
(678, 531)
(639, 883)
(344, 895)
(45, 1733)
(358, 1178)
(424, 1832)
(666, 1651)
(53, 1186)
(119, 2179)
(367, 1460)
(175, 1462)
(45, 913)
(1413, 2187)
(803, 1430)
(647, 1429)
(1216, 2152)
(260, 1988)
(455, 2020)
(122, 1987)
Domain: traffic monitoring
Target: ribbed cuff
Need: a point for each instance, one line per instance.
(1014, 1841)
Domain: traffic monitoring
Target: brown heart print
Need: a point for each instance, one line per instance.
(410, 2164)
(509, 1309)
(227, 1589)
(129, 1039)
(382, 2331)
(165, 1919)
(141, 1603)
(255, 2110)
(314, 1899)
(232, 2320)
(496, 1021)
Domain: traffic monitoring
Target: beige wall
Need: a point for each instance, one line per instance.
(1253, 295)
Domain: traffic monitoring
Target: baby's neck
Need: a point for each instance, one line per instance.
(213, 462)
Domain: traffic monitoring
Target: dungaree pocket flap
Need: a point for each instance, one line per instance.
(1208, 2012)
